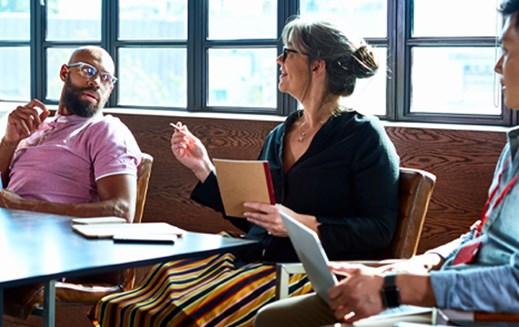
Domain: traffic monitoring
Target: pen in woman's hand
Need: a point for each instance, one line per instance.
(177, 126)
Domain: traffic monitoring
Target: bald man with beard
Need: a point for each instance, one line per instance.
(77, 163)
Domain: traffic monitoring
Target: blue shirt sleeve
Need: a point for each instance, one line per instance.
(491, 289)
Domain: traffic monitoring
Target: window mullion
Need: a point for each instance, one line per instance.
(392, 42)
(109, 32)
(196, 55)
(38, 53)
(402, 61)
(286, 9)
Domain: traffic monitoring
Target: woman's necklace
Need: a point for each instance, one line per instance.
(303, 132)
(301, 136)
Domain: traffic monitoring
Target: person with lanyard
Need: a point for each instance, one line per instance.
(477, 272)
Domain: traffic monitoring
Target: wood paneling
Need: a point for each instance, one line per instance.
(463, 162)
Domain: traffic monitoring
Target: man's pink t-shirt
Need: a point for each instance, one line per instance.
(64, 158)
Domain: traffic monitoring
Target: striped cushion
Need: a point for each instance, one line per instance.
(196, 292)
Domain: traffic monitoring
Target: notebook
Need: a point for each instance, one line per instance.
(242, 181)
(109, 230)
(99, 220)
(311, 253)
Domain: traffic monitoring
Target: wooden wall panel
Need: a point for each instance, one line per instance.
(463, 162)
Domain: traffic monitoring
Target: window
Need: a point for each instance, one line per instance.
(15, 63)
(220, 55)
(152, 53)
(250, 78)
(451, 64)
(73, 20)
(70, 23)
(241, 62)
(369, 96)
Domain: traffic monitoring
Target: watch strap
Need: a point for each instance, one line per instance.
(390, 292)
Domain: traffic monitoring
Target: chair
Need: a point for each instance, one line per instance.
(89, 291)
(415, 189)
(458, 317)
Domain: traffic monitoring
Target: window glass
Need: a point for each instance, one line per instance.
(156, 20)
(366, 18)
(442, 18)
(15, 69)
(242, 78)
(73, 20)
(454, 81)
(55, 58)
(369, 96)
(238, 19)
(15, 20)
(152, 77)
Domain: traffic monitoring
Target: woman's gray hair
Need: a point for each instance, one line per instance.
(344, 61)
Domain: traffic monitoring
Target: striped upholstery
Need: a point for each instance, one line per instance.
(196, 292)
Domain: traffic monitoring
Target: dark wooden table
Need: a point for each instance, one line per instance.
(38, 247)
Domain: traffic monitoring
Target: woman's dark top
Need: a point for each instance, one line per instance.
(348, 179)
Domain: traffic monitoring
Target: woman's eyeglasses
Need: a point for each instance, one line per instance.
(286, 51)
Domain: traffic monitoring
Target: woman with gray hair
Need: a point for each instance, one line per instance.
(333, 169)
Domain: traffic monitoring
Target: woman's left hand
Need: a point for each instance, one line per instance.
(267, 216)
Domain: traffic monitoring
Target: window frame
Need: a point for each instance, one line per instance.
(398, 42)
(404, 42)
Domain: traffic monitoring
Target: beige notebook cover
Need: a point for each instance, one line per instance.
(242, 181)
(109, 230)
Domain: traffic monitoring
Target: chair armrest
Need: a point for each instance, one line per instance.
(453, 315)
(283, 272)
(496, 317)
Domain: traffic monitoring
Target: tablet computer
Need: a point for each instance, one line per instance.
(311, 253)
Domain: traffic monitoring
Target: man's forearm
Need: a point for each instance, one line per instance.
(118, 208)
(415, 289)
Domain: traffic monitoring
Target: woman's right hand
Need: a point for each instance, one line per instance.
(189, 151)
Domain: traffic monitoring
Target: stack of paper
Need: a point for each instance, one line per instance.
(125, 232)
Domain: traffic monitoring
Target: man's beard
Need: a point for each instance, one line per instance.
(73, 103)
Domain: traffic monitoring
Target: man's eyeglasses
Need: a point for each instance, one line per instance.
(286, 51)
(89, 72)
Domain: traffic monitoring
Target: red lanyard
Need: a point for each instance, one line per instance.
(468, 253)
(508, 187)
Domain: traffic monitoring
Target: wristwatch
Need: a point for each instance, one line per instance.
(390, 292)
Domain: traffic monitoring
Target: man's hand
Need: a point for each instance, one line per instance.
(358, 295)
(24, 120)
